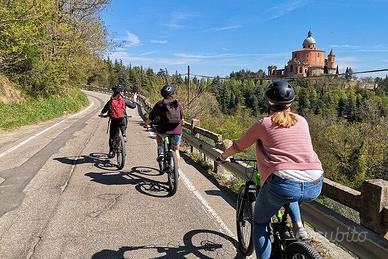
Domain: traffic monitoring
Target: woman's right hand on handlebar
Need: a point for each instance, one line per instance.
(222, 160)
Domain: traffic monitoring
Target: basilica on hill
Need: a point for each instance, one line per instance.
(308, 61)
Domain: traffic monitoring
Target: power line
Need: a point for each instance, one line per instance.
(291, 78)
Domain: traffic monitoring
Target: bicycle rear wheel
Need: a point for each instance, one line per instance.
(173, 172)
(301, 250)
(120, 152)
(244, 222)
(163, 163)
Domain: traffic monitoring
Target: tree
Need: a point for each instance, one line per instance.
(50, 46)
(255, 105)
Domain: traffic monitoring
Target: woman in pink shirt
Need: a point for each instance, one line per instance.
(290, 170)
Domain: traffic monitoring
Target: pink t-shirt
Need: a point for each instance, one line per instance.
(280, 148)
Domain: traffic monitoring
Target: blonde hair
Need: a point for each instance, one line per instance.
(284, 118)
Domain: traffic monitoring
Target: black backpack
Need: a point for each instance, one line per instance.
(170, 113)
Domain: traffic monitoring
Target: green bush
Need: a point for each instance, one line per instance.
(34, 110)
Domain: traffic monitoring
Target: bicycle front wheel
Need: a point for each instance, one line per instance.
(173, 172)
(120, 152)
(301, 250)
(244, 222)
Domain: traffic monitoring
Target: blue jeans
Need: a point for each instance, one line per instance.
(275, 193)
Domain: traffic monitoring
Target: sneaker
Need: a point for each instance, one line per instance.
(301, 233)
(111, 154)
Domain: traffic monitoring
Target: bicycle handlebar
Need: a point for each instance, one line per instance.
(233, 159)
(103, 115)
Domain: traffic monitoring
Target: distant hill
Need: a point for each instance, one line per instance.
(9, 92)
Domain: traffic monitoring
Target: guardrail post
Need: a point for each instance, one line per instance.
(216, 167)
(194, 123)
(374, 198)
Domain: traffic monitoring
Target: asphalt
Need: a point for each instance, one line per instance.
(61, 197)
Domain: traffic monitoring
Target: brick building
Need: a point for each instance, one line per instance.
(308, 61)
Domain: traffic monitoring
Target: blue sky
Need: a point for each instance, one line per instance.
(217, 37)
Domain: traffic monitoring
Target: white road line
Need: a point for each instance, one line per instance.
(40, 133)
(205, 204)
(203, 201)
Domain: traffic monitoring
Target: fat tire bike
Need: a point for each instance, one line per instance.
(118, 146)
(284, 243)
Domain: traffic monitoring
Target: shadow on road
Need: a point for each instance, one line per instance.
(100, 160)
(138, 176)
(76, 160)
(200, 243)
(229, 196)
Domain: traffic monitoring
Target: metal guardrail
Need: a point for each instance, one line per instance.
(334, 226)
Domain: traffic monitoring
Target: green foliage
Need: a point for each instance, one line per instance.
(350, 152)
(48, 47)
(346, 124)
(34, 110)
(230, 127)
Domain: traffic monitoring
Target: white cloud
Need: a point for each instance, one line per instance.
(159, 41)
(375, 48)
(200, 56)
(285, 8)
(223, 28)
(147, 59)
(131, 40)
(372, 48)
(177, 19)
(344, 62)
(147, 53)
(344, 46)
(234, 55)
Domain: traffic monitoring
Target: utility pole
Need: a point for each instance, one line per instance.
(188, 87)
(141, 77)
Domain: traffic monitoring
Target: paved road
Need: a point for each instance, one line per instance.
(60, 197)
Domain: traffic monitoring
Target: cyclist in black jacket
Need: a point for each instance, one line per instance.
(122, 122)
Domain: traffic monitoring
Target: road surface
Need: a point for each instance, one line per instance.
(61, 197)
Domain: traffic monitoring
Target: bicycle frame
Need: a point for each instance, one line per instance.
(170, 165)
(277, 229)
(166, 143)
(118, 144)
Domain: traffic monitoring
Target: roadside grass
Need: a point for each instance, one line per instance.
(32, 110)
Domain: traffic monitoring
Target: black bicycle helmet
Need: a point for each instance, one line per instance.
(280, 93)
(167, 90)
(118, 88)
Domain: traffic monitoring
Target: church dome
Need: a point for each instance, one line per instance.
(309, 40)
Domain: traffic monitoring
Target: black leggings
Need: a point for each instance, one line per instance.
(114, 124)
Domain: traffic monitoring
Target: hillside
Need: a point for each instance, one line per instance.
(9, 92)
